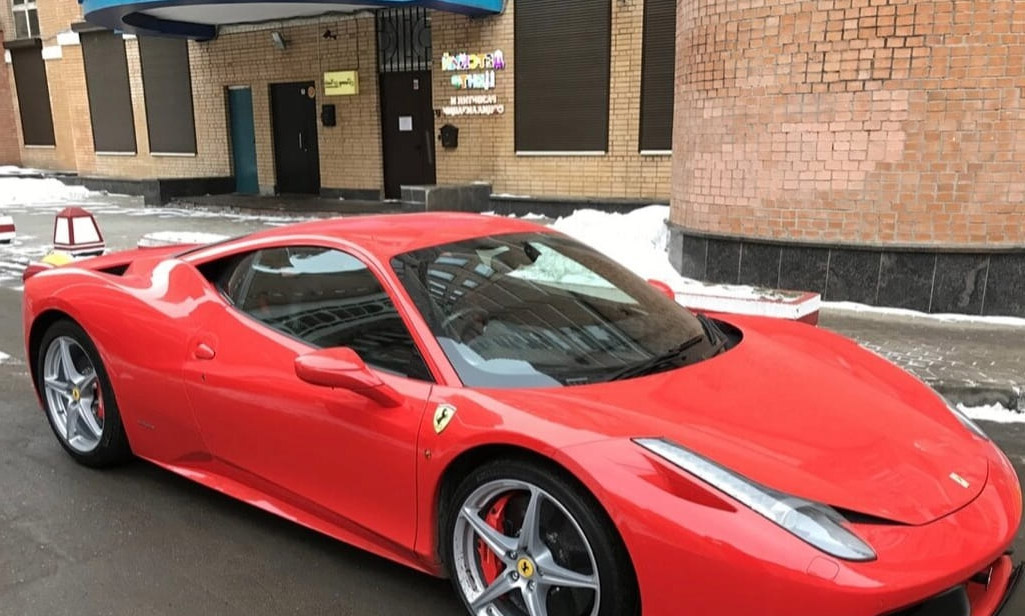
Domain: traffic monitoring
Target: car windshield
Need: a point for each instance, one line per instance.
(543, 310)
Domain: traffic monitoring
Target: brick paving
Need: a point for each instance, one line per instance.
(970, 362)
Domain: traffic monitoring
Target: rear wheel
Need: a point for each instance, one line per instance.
(79, 401)
(522, 540)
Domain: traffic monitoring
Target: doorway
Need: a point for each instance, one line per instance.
(296, 152)
(407, 115)
(243, 140)
(407, 128)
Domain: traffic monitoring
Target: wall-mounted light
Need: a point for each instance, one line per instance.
(279, 41)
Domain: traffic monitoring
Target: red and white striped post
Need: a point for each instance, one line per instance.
(6, 229)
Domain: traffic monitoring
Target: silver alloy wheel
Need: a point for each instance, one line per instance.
(531, 570)
(72, 392)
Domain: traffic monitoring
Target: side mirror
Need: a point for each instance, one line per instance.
(663, 288)
(342, 368)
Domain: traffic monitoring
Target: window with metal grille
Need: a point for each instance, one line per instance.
(657, 71)
(167, 83)
(110, 97)
(33, 96)
(26, 18)
(403, 40)
(562, 75)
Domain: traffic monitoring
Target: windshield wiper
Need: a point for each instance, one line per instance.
(658, 362)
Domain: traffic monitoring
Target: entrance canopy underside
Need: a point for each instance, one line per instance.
(199, 19)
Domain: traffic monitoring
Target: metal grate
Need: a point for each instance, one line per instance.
(403, 40)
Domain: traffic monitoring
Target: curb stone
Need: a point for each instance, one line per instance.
(981, 394)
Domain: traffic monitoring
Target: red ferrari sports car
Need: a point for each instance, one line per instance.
(491, 401)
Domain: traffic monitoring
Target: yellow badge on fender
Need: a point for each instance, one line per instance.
(961, 481)
(442, 416)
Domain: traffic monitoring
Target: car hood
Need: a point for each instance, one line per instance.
(797, 409)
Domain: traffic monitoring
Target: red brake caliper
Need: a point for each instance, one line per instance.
(491, 566)
(99, 402)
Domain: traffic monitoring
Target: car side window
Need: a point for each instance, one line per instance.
(326, 298)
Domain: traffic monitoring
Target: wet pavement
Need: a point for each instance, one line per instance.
(974, 362)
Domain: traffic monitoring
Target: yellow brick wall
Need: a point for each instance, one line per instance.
(351, 151)
(487, 143)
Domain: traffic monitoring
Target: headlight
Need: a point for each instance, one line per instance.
(966, 421)
(815, 523)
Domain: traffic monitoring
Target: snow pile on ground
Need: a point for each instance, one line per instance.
(914, 314)
(36, 191)
(171, 238)
(12, 170)
(4, 357)
(992, 412)
(640, 241)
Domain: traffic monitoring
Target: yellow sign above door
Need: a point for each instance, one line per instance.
(341, 83)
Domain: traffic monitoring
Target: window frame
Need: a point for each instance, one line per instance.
(240, 256)
(645, 122)
(27, 7)
(528, 144)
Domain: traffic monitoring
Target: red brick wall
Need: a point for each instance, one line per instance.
(856, 121)
(9, 151)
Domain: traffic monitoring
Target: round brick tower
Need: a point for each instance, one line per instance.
(871, 150)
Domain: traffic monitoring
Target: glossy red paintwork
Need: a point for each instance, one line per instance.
(211, 394)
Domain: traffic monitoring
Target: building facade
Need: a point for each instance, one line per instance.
(10, 151)
(558, 101)
(870, 150)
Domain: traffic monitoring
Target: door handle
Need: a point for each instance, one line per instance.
(429, 144)
(204, 351)
(300, 141)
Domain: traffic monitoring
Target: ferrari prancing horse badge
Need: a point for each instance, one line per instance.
(442, 416)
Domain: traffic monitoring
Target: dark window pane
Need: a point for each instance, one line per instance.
(562, 75)
(659, 65)
(167, 83)
(33, 96)
(110, 97)
(17, 2)
(328, 299)
(33, 22)
(20, 24)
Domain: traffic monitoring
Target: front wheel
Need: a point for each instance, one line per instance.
(79, 400)
(522, 540)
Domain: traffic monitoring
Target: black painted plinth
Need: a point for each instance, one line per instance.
(939, 281)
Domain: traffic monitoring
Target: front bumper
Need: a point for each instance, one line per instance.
(988, 593)
(1012, 602)
(691, 547)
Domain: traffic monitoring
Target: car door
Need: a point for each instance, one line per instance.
(328, 451)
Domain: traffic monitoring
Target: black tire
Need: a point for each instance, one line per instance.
(619, 592)
(113, 448)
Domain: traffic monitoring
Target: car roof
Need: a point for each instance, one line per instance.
(388, 235)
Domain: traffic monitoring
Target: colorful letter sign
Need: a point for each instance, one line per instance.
(473, 71)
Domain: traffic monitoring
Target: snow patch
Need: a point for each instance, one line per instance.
(640, 240)
(37, 191)
(12, 170)
(171, 238)
(904, 312)
(4, 357)
(992, 412)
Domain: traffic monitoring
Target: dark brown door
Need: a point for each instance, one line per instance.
(296, 155)
(407, 119)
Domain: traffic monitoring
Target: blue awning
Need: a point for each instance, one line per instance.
(199, 19)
